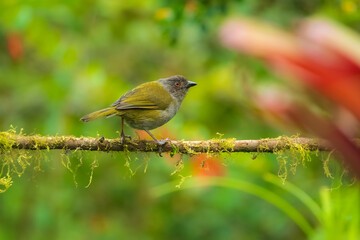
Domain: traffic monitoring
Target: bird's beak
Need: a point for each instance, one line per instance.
(191, 84)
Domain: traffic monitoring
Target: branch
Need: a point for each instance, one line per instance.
(37, 142)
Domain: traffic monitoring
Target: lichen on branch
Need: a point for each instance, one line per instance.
(217, 145)
(18, 151)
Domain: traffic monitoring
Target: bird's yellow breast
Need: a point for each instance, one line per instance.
(145, 119)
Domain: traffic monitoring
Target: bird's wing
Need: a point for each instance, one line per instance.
(150, 95)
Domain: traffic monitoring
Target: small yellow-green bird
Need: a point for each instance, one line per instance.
(148, 106)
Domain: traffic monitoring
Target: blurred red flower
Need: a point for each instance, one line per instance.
(15, 46)
(322, 55)
(204, 166)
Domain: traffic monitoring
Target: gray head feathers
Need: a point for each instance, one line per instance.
(177, 86)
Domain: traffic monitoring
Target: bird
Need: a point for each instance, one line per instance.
(147, 106)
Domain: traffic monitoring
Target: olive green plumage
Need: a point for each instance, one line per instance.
(98, 114)
(148, 106)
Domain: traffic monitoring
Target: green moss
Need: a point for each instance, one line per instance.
(289, 154)
(6, 141)
(224, 144)
(5, 183)
(94, 165)
(182, 180)
(128, 160)
(189, 149)
(326, 166)
(149, 147)
(178, 167)
(17, 161)
(12, 161)
(147, 160)
(174, 150)
(72, 166)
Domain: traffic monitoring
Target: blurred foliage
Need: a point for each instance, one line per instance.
(62, 59)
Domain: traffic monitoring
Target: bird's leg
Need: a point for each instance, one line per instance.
(159, 143)
(123, 136)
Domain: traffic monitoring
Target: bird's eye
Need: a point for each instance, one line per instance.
(177, 84)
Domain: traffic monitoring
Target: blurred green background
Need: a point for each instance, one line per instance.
(60, 60)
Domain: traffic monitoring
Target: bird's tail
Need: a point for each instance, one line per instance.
(101, 113)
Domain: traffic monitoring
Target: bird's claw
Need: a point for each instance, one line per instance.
(160, 144)
(123, 138)
(163, 141)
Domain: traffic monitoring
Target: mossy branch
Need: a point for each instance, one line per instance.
(37, 142)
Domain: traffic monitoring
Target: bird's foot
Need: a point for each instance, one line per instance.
(163, 141)
(123, 138)
(160, 144)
